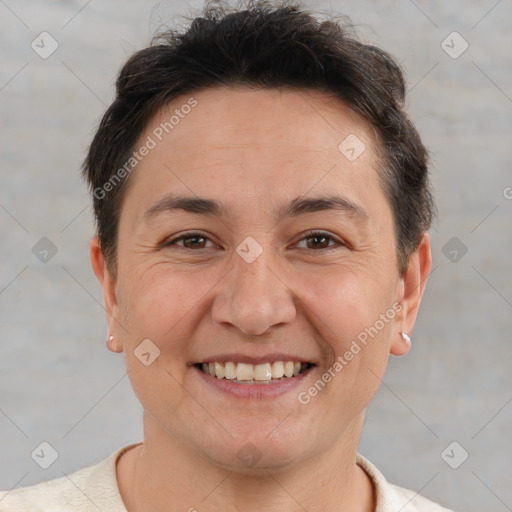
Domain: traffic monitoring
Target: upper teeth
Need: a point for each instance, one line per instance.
(248, 372)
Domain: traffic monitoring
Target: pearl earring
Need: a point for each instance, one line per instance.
(405, 337)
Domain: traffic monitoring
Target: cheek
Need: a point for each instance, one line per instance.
(346, 307)
(154, 306)
(158, 298)
(158, 306)
(343, 301)
(165, 306)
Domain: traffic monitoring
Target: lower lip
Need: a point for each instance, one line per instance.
(253, 390)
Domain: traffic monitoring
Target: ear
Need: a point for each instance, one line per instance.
(411, 288)
(109, 293)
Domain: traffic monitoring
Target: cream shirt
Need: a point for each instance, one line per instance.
(95, 488)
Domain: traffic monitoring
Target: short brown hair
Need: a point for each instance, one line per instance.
(265, 45)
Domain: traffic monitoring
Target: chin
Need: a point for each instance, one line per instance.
(259, 451)
(252, 461)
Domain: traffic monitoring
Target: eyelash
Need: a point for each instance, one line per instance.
(309, 234)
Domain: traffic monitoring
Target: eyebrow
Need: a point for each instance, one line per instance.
(299, 206)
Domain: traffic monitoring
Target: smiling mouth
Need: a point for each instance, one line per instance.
(244, 373)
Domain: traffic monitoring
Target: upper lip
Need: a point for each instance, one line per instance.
(244, 358)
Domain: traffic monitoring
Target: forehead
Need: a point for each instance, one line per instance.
(250, 116)
(264, 144)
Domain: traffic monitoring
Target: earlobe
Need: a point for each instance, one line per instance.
(402, 346)
(113, 346)
(412, 286)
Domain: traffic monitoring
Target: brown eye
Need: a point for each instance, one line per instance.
(190, 241)
(193, 242)
(319, 240)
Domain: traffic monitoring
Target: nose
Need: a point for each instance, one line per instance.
(254, 297)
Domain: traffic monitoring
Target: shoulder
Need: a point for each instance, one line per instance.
(58, 495)
(91, 488)
(391, 498)
(411, 501)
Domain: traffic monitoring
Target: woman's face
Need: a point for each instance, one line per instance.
(250, 285)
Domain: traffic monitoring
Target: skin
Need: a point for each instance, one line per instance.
(255, 151)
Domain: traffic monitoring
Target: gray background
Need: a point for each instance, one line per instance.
(60, 384)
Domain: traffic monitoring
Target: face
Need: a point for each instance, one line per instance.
(259, 274)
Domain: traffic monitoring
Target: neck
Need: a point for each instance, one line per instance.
(163, 471)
